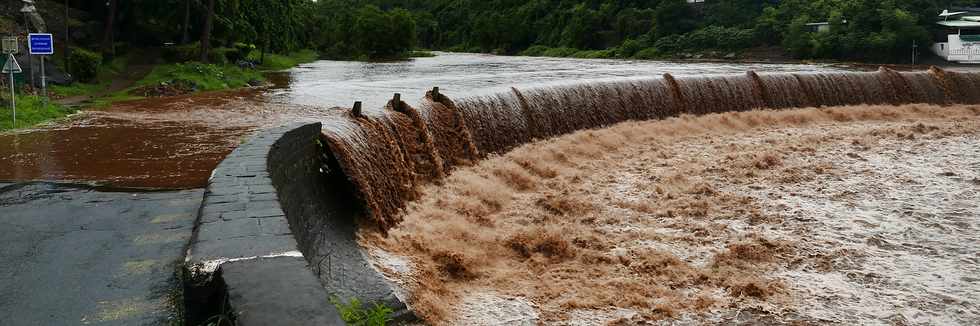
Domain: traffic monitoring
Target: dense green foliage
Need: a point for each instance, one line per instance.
(84, 64)
(204, 77)
(880, 30)
(349, 30)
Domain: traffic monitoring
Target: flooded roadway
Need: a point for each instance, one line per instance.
(175, 142)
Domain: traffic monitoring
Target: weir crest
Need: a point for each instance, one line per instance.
(388, 154)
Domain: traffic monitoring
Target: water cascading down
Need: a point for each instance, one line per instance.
(387, 154)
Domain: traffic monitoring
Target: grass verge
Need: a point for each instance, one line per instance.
(421, 54)
(206, 77)
(30, 111)
(180, 78)
(281, 62)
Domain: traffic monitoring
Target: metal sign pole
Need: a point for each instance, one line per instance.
(44, 85)
(11, 67)
(13, 99)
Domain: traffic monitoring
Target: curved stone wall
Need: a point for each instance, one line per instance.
(244, 259)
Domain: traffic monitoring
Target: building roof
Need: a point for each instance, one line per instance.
(961, 23)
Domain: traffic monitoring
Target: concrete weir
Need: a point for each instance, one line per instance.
(276, 234)
(275, 239)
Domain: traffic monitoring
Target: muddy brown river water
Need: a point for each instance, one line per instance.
(175, 142)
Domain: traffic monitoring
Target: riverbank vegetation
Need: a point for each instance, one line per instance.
(31, 110)
(863, 30)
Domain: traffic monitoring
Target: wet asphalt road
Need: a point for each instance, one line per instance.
(74, 255)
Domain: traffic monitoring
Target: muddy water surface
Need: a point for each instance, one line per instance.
(176, 142)
(153, 143)
(340, 83)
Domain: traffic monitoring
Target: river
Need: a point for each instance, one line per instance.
(175, 142)
(340, 83)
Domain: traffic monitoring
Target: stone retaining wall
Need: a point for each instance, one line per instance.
(244, 258)
(319, 203)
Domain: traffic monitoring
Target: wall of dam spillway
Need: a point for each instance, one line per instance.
(387, 154)
(277, 231)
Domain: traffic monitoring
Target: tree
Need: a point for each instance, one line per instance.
(796, 39)
(206, 33)
(108, 38)
(674, 17)
(185, 36)
(382, 34)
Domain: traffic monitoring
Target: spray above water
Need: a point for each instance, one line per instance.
(388, 154)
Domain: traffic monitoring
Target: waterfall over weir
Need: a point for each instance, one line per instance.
(387, 155)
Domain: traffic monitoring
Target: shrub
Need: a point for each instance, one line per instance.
(84, 64)
(182, 53)
(354, 313)
(559, 52)
(708, 38)
(535, 51)
(221, 56)
(242, 51)
(629, 48)
(595, 54)
(647, 54)
(669, 44)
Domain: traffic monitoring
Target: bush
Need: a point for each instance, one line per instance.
(535, 51)
(355, 313)
(647, 54)
(204, 77)
(182, 53)
(708, 38)
(221, 56)
(629, 48)
(241, 52)
(559, 52)
(84, 64)
(669, 44)
(595, 54)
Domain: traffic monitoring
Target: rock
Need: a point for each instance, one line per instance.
(166, 88)
(245, 64)
(730, 55)
(255, 82)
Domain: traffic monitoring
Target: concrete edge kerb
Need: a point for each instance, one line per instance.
(242, 223)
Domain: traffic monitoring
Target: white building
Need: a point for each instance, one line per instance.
(959, 40)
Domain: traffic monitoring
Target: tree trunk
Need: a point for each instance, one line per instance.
(206, 34)
(67, 53)
(108, 49)
(265, 47)
(187, 22)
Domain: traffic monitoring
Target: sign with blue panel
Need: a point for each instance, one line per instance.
(41, 43)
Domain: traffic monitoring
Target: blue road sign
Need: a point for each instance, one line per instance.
(41, 43)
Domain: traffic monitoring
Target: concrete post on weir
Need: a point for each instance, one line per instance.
(396, 102)
(356, 110)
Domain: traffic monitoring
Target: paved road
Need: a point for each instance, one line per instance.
(78, 256)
